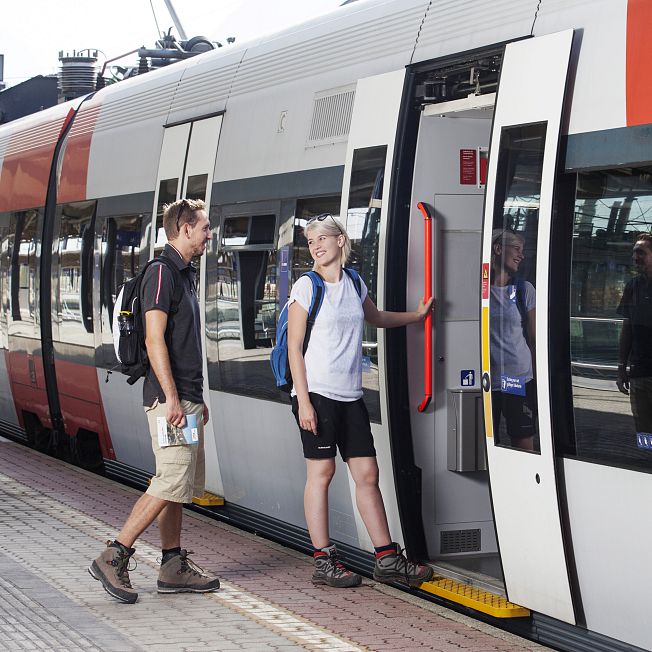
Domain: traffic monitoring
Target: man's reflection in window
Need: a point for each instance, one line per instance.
(513, 313)
(635, 348)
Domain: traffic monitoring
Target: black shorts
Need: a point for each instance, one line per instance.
(519, 412)
(344, 424)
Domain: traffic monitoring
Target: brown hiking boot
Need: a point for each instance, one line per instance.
(181, 575)
(330, 570)
(112, 569)
(394, 567)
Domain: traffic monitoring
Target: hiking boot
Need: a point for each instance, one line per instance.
(394, 567)
(112, 569)
(180, 574)
(329, 570)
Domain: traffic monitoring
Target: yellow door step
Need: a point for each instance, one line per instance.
(473, 597)
(208, 500)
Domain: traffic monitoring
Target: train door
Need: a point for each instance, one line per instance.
(186, 170)
(364, 211)
(449, 175)
(515, 272)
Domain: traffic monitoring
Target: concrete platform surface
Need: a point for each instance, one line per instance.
(56, 518)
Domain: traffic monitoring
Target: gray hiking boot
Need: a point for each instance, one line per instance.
(394, 567)
(181, 575)
(329, 570)
(112, 569)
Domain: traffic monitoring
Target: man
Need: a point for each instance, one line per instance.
(172, 389)
(635, 345)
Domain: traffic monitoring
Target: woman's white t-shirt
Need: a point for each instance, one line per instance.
(334, 356)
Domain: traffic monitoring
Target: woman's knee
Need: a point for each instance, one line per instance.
(365, 474)
(320, 471)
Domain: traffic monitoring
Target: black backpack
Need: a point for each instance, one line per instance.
(128, 329)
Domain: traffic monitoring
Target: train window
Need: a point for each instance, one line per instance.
(74, 271)
(363, 226)
(23, 246)
(611, 317)
(5, 266)
(241, 306)
(122, 254)
(167, 193)
(513, 300)
(249, 230)
(196, 187)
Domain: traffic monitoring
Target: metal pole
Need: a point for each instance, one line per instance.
(175, 20)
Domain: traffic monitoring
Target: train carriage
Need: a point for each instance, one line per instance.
(532, 117)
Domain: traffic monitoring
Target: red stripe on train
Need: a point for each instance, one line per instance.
(639, 55)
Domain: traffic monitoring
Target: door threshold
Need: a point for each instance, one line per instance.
(460, 573)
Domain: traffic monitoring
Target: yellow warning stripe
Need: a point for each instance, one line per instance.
(486, 396)
(474, 598)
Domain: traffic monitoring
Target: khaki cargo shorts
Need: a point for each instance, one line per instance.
(180, 470)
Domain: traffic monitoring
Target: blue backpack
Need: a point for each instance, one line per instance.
(279, 356)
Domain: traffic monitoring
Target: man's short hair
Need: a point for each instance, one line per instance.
(645, 237)
(180, 212)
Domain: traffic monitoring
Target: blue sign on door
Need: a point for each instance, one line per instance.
(467, 377)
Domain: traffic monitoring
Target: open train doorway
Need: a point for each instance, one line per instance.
(448, 437)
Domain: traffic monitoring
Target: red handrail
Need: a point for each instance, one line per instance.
(427, 324)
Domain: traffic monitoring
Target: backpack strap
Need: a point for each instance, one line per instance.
(318, 292)
(355, 277)
(520, 303)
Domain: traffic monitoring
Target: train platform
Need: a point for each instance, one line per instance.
(55, 518)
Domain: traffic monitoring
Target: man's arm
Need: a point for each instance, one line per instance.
(159, 358)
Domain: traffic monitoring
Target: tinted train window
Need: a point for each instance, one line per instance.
(241, 306)
(23, 249)
(74, 263)
(513, 298)
(611, 317)
(167, 193)
(122, 254)
(363, 226)
(5, 266)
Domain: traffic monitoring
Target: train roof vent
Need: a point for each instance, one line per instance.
(331, 116)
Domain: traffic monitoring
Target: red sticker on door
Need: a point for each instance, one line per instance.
(485, 280)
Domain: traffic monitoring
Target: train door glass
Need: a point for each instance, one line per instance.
(611, 317)
(362, 224)
(167, 193)
(123, 252)
(245, 300)
(5, 265)
(73, 272)
(512, 293)
(23, 250)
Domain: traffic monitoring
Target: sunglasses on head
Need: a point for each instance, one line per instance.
(321, 218)
(183, 205)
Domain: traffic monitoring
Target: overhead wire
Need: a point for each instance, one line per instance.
(158, 29)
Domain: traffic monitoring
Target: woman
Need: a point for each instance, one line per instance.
(327, 404)
(513, 315)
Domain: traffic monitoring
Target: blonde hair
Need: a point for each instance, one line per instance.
(330, 226)
(505, 237)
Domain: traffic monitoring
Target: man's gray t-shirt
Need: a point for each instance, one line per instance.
(183, 332)
(510, 353)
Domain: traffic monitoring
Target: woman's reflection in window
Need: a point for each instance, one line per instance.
(512, 313)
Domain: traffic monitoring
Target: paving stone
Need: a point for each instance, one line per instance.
(266, 603)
